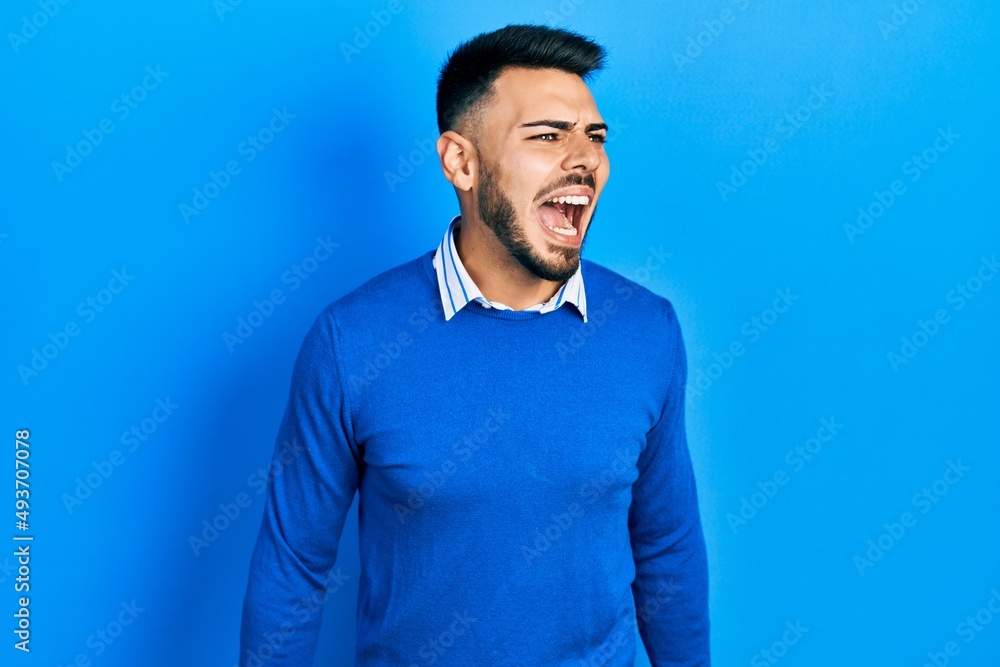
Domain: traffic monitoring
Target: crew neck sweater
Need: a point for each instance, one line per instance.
(526, 494)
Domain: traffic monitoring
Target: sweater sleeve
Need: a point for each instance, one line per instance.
(668, 546)
(313, 476)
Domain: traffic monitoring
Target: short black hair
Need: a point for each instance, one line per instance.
(466, 81)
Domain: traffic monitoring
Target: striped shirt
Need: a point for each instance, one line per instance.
(457, 288)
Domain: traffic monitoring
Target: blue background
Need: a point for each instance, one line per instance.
(693, 91)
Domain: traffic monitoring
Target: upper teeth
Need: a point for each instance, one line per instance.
(582, 200)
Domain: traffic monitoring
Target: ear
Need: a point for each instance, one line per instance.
(459, 160)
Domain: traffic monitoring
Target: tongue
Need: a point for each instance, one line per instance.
(551, 216)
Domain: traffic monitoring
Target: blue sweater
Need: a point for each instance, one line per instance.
(526, 490)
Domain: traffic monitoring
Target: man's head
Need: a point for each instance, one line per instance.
(519, 127)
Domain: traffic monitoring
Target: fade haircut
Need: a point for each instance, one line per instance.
(465, 85)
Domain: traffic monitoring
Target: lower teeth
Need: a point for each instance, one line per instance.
(565, 232)
(569, 230)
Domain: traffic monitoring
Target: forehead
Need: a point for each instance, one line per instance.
(525, 94)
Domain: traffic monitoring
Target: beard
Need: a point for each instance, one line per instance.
(497, 211)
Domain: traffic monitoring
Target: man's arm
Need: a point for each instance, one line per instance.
(314, 475)
(671, 581)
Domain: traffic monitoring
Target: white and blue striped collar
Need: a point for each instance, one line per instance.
(457, 288)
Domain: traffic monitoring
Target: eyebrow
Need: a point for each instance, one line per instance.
(563, 125)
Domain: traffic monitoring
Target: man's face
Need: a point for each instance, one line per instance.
(541, 137)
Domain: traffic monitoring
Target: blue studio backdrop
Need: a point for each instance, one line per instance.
(186, 185)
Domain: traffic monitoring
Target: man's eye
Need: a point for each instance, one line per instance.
(548, 134)
(601, 139)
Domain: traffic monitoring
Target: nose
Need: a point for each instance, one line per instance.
(584, 153)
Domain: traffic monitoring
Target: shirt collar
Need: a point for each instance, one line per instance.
(457, 288)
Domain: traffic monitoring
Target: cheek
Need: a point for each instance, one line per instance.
(604, 171)
(529, 174)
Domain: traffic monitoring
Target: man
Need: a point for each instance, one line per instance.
(511, 415)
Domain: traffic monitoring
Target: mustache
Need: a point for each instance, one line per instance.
(573, 179)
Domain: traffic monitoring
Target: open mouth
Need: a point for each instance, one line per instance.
(562, 215)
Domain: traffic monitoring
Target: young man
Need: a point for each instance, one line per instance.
(511, 415)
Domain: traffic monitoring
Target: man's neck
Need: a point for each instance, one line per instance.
(499, 276)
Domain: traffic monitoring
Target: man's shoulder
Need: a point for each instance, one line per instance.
(401, 288)
(610, 291)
